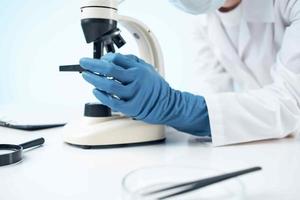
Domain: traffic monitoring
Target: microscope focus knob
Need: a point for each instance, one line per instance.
(96, 110)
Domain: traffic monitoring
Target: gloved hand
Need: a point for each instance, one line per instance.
(144, 94)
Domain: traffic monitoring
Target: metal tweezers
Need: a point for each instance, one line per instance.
(30, 127)
(195, 185)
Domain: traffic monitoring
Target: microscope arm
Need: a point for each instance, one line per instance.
(147, 42)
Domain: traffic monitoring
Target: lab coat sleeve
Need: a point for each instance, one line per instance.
(268, 113)
(207, 75)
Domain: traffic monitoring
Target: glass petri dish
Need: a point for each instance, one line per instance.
(141, 181)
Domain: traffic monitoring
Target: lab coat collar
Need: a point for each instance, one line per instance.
(249, 11)
(244, 38)
(227, 54)
(235, 18)
(232, 18)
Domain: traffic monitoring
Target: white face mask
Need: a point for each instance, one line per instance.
(197, 7)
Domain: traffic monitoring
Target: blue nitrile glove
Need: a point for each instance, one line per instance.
(144, 94)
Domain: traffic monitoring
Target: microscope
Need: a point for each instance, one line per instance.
(100, 127)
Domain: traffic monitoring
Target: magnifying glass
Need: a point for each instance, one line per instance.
(11, 154)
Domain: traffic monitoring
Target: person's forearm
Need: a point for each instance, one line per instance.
(187, 113)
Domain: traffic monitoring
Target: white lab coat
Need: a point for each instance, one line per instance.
(248, 69)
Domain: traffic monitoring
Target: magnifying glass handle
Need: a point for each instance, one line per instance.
(33, 143)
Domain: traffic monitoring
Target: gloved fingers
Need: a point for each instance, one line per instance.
(127, 61)
(108, 100)
(133, 57)
(141, 61)
(121, 60)
(108, 85)
(108, 69)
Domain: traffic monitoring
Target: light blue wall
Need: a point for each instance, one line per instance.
(38, 36)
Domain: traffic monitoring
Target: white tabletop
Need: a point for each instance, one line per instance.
(62, 172)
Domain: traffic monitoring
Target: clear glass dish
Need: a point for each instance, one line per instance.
(138, 182)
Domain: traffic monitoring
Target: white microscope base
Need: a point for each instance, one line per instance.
(111, 131)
